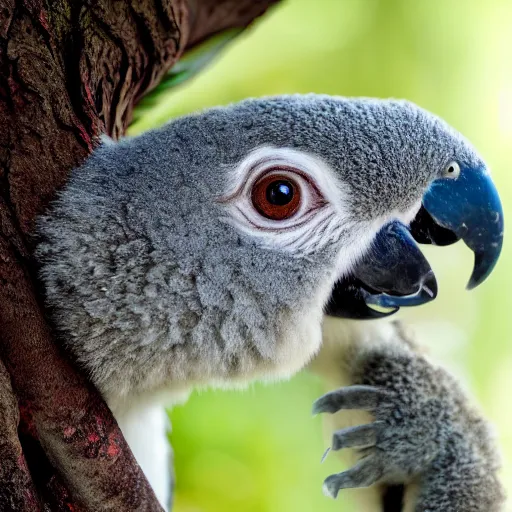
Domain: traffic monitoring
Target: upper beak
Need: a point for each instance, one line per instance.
(470, 208)
(395, 273)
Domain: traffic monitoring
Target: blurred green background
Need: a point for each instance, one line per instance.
(260, 450)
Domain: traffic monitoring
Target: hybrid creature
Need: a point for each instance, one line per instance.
(213, 251)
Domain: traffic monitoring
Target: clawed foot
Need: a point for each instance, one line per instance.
(423, 431)
(393, 447)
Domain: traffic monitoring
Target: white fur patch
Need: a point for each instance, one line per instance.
(145, 429)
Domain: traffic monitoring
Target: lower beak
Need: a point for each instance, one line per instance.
(394, 273)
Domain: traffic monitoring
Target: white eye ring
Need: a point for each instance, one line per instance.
(320, 218)
(452, 171)
(299, 169)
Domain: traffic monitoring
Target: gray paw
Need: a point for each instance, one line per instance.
(400, 443)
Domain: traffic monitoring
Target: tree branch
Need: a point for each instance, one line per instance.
(69, 71)
(210, 16)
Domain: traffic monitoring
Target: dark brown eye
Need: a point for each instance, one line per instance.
(276, 196)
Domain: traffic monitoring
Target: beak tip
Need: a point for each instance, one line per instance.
(476, 280)
(485, 261)
(473, 282)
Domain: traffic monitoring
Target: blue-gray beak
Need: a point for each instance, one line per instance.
(470, 208)
(395, 273)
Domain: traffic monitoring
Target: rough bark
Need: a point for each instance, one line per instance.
(17, 490)
(70, 70)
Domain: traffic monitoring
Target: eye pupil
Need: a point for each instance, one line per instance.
(280, 193)
(276, 196)
(452, 171)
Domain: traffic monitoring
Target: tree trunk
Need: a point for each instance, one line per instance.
(70, 70)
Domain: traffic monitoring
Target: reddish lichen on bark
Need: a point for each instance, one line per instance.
(17, 491)
(71, 70)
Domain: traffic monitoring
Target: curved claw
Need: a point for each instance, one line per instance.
(362, 397)
(359, 436)
(365, 473)
(470, 207)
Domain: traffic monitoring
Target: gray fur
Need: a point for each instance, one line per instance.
(151, 289)
(426, 433)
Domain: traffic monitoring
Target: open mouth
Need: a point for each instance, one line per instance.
(394, 273)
